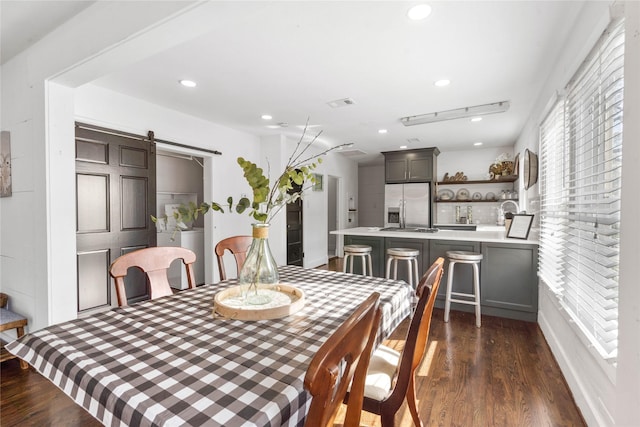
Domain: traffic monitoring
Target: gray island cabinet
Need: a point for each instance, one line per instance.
(508, 271)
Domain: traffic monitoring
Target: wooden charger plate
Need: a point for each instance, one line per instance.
(257, 312)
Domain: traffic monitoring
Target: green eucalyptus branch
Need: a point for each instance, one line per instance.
(267, 200)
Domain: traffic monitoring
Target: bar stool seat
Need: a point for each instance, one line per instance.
(403, 254)
(362, 251)
(463, 257)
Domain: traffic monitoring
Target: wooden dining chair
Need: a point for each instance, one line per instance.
(343, 357)
(154, 262)
(238, 246)
(427, 279)
(390, 377)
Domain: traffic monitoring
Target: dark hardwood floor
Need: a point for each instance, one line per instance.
(502, 374)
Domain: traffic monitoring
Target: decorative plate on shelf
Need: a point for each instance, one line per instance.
(445, 195)
(476, 196)
(462, 194)
(490, 196)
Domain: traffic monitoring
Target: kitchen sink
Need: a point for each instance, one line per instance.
(410, 230)
(457, 227)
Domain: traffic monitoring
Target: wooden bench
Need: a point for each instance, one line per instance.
(10, 320)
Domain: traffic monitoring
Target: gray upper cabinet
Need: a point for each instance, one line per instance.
(417, 165)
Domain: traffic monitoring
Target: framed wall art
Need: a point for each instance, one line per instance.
(318, 186)
(520, 226)
(5, 165)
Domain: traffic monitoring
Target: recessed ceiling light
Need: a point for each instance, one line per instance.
(477, 144)
(419, 11)
(266, 117)
(273, 126)
(382, 131)
(476, 119)
(442, 83)
(403, 147)
(188, 83)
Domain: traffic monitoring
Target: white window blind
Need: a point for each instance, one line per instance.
(580, 161)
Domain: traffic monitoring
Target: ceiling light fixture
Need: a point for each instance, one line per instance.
(266, 117)
(188, 83)
(476, 119)
(419, 12)
(442, 83)
(477, 144)
(382, 131)
(402, 147)
(459, 113)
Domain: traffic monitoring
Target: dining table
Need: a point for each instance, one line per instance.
(172, 362)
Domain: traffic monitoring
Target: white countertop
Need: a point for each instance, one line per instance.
(492, 234)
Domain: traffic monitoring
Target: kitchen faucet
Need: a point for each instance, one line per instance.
(500, 220)
(510, 201)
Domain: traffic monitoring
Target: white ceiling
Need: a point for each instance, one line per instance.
(289, 59)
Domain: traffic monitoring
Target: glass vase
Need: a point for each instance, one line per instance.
(259, 268)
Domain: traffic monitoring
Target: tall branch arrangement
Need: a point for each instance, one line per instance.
(268, 199)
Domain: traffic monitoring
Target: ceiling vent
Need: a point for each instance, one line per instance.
(341, 103)
(413, 140)
(353, 152)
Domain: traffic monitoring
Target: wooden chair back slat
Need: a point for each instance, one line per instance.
(345, 354)
(154, 262)
(238, 246)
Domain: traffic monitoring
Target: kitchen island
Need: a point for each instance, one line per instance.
(508, 271)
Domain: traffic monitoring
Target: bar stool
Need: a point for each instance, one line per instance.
(403, 254)
(362, 251)
(463, 257)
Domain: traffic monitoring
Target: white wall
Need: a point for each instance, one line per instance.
(99, 106)
(606, 395)
(44, 90)
(37, 257)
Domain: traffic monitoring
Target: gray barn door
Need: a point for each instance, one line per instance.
(115, 196)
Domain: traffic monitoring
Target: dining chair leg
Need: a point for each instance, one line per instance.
(412, 403)
(387, 419)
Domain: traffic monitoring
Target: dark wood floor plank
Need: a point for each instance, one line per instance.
(502, 374)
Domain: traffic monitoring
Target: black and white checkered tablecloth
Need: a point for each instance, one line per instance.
(170, 362)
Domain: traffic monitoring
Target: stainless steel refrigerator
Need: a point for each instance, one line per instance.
(407, 205)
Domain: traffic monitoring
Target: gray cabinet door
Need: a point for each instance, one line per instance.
(417, 165)
(463, 273)
(509, 277)
(423, 258)
(420, 168)
(395, 170)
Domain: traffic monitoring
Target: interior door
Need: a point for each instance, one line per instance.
(115, 196)
(295, 253)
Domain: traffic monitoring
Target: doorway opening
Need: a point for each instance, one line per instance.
(333, 215)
